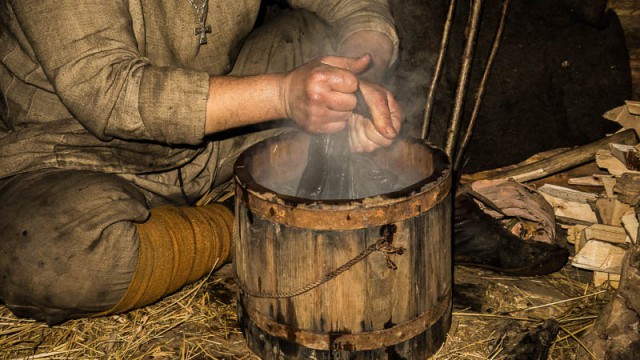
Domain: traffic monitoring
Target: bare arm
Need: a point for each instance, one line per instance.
(239, 101)
(318, 96)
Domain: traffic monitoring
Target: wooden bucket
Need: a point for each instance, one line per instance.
(308, 289)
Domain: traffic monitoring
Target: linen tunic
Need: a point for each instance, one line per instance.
(121, 86)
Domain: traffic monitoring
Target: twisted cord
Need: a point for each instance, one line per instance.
(381, 245)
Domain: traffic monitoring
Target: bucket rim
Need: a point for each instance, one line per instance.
(290, 210)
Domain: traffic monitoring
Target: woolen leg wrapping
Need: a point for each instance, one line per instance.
(178, 245)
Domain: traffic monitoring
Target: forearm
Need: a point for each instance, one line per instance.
(377, 44)
(350, 17)
(239, 101)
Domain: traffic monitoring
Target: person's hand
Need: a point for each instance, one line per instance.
(320, 95)
(367, 135)
(375, 43)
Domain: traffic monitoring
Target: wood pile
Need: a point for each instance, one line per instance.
(601, 220)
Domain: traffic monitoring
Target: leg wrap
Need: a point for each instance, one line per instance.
(178, 245)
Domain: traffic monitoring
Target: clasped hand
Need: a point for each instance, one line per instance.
(320, 97)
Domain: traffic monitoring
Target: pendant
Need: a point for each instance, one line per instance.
(202, 31)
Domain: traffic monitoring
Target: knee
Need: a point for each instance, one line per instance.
(69, 245)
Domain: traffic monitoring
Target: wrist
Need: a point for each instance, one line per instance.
(240, 101)
(284, 87)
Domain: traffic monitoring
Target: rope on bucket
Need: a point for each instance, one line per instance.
(383, 245)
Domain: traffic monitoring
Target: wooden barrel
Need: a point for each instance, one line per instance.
(316, 279)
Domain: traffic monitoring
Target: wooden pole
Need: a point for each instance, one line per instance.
(463, 79)
(565, 160)
(483, 85)
(438, 70)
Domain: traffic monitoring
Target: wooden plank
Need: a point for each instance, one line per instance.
(591, 180)
(565, 160)
(568, 194)
(600, 256)
(606, 233)
(570, 205)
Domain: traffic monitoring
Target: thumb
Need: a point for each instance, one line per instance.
(355, 65)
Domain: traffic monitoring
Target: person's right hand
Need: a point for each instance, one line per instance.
(320, 95)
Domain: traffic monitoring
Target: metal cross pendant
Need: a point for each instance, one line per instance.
(202, 31)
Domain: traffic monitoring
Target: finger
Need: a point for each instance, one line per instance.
(338, 101)
(328, 78)
(374, 136)
(381, 114)
(397, 115)
(354, 144)
(365, 141)
(354, 65)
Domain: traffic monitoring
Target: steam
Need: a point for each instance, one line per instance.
(334, 172)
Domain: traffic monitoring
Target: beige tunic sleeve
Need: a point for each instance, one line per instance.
(88, 51)
(350, 16)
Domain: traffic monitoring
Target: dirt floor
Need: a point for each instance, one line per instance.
(491, 314)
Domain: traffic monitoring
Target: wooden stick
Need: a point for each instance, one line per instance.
(481, 88)
(565, 160)
(438, 70)
(465, 70)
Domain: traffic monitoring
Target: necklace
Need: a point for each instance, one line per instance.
(202, 29)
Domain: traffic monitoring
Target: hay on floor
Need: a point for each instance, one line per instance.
(199, 322)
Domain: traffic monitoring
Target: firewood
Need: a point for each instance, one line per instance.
(630, 225)
(600, 256)
(633, 107)
(627, 188)
(615, 167)
(565, 160)
(623, 116)
(591, 180)
(609, 184)
(627, 154)
(575, 235)
(573, 232)
(570, 205)
(606, 279)
(606, 233)
(609, 210)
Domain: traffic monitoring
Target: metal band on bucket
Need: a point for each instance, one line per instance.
(354, 342)
(377, 213)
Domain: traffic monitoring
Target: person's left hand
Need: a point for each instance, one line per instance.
(367, 135)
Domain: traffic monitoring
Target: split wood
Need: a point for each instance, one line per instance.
(565, 160)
